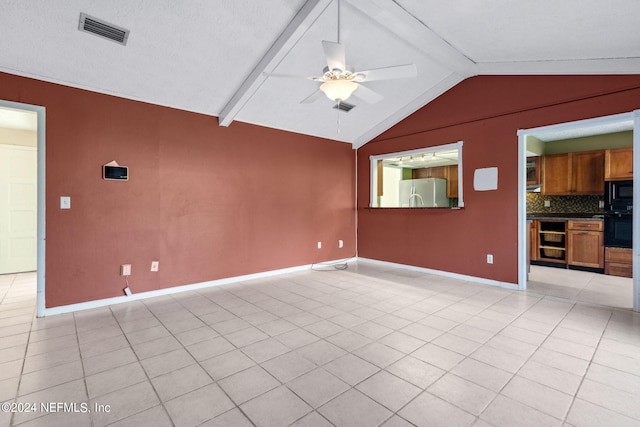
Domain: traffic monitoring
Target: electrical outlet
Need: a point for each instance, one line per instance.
(340, 243)
(319, 245)
(547, 203)
(601, 204)
(155, 265)
(489, 259)
(125, 270)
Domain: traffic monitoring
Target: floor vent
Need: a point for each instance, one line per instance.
(344, 106)
(103, 29)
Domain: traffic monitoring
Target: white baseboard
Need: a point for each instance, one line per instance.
(475, 279)
(183, 288)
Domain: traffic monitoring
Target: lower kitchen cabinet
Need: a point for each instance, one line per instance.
(586, 244)
(552, 242)
(618, 262)
(568, 243)
(533, 241)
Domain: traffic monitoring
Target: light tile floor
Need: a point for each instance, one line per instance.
(366, 346)
(581, 286)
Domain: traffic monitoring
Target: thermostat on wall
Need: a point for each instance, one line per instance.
(112, 171)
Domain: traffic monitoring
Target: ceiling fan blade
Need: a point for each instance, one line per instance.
(367, 94)
(388, 73)
(334, 52)
(313, 97)
(291, 76)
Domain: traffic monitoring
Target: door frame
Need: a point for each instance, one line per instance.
(41, 198)
(632, 119)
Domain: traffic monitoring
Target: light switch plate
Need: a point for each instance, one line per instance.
(65, 202)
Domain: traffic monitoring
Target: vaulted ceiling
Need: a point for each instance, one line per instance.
(210, 56)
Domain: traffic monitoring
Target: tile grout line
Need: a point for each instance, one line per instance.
(584, 377)
(287, 287)
(141, 367)
(26, 349)
(84, 374)
(198, 362)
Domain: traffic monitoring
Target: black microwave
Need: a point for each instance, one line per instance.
(618, 196)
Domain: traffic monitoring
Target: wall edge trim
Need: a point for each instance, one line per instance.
(177, 289)
(474, 279)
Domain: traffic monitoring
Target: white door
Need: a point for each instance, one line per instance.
(18, 209)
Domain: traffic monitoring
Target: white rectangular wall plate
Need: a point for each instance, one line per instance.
(485, 179)
(65, 202)
(125, 270)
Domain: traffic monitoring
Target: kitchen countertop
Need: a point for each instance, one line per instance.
(566, 216)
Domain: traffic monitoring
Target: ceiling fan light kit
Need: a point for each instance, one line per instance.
(338, 83)
(338, 90)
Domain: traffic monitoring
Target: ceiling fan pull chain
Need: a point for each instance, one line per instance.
(338, 118)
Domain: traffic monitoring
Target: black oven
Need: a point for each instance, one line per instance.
(617, 230)
(618, 209)
(618, 196)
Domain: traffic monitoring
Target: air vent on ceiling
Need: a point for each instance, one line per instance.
(103, 29)
(344, 106)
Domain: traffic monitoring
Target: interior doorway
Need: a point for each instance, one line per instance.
(571, 283)
(22, 192)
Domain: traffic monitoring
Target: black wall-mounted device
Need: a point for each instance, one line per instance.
(115, 173)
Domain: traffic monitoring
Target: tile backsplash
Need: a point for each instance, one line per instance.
(564, 204)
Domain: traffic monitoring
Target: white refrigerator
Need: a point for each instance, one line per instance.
(423, 192)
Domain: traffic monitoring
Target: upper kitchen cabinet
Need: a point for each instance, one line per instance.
(573, 173)
(587, 170)
(533, 170)
(618, 164)
(555, 174)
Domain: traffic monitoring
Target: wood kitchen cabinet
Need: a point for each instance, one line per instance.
(435, 172)
(618, 164)
(452, 182)
(567, 243)
(552, 241)
(618, 262)
(533, 170)
(555, 174)
(587, 172)
(533, 241)
(573, 173)
(585, 244)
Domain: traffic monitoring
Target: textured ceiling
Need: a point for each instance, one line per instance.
(210, 56)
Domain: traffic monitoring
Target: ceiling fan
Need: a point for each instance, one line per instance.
(339, 83)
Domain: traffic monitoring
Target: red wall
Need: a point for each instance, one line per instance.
(207, 202)
(485, 112)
